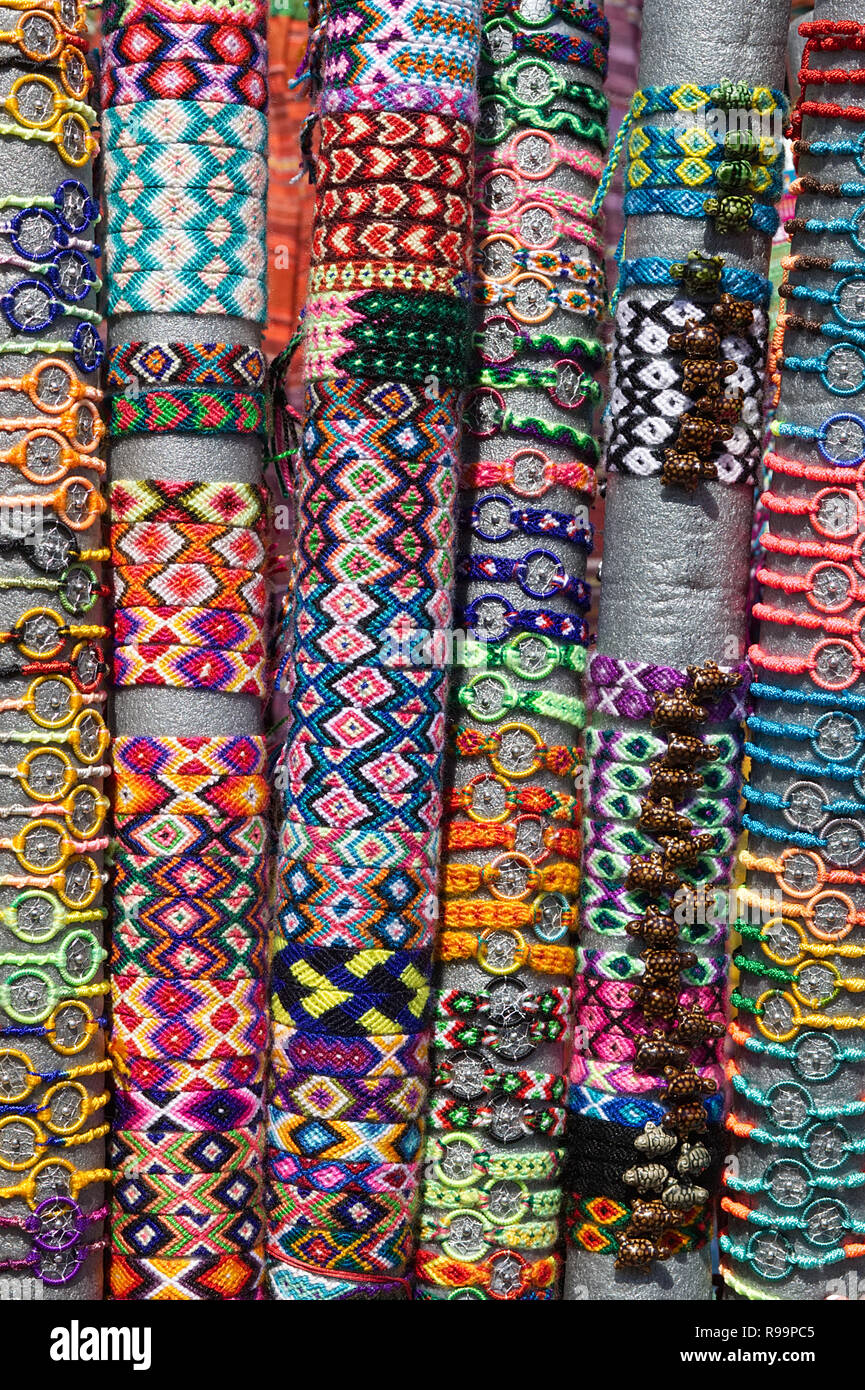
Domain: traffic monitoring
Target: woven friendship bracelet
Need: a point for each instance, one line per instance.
(185, 364)
(187, 80)
(198, 410)
(189, 756)
(196, 668)
(156, 40)
(208, 292)
(628, 688)
(186, 123)
(189, 542)
(211, 167)
(191, 627)
(178, 249)
(189, 586)
(211, 211)
(236, 1277)
(229, 503)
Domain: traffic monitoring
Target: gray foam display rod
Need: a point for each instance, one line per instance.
(804, 400)
(675, 567)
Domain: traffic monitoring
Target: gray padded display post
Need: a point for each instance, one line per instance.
(675, 564)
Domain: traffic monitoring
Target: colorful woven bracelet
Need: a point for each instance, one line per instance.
(197, 410)
(183, 80)
(193, 586)
(232, 365)
(208, 292)
(213, 211)
(160, 757)
(228, 503)
(153, 40)
(340, 1139)
(189, 542)
(235, 1277)
(186, 123)
(216, 629)
(502, 1276)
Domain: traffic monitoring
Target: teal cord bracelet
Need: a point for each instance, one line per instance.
(825, 699)
(772, 1257)
(845, 360)
(836, 736)
(731, 212)
(654, 271)
(791, 1106)
(814, 1056)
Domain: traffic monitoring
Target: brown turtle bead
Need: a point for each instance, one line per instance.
(699, 435)
(658, 1051)
(656, 1001)
(680, 851)
(683, 750)
(723, 409)
(650, 873)
(676, 709)
(686, 1085)
(656, 927)
(708, 682)
(662, 963)
(730, 312)
(698, 340)
(636, 1252)
(661, 818)
(703, 377)
(648, 1218)
(672, 781)
(686, 470)
(688, 1118)
(693, 1026)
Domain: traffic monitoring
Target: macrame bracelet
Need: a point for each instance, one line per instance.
(208, 292)
(212, 212)
(187, 80)
(196, 410)
(503, 1276)
(226, 503)
(194, 123)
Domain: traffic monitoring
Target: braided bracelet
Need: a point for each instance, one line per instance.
(503, 1276)
(504, 951)
(197, 410)
(207, 292)
(225, 503)
(205, 209)
(489, 697)
(500, 115)
(161, 41)
(211, 167)
(186, 80)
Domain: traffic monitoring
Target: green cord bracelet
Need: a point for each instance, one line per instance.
(529, 655)
(489, 697)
